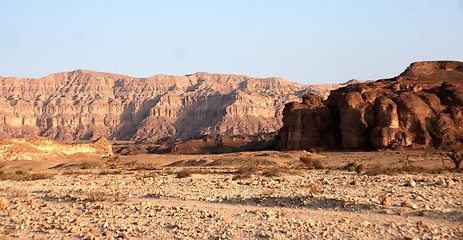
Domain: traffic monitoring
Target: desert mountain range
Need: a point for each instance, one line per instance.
(82, 105)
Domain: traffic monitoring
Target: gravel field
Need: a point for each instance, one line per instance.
(215, 202)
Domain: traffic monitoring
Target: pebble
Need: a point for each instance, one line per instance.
(441, 182)
(408, 203)
(410, 183)
(386, 201)
(3, 203)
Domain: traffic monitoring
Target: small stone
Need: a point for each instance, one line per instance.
(3, 203)
(355, 183)
(450, 182)
(441, 182)
(386, 201)
(326, 181)
(408, 203)
(410, 183)
(403, 212)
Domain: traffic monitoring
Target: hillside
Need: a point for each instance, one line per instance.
(82, 104)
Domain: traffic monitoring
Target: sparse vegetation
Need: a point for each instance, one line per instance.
(311, 163)
(246, 171)
(90, 165)
(451, 140)
(186, 172)
(275, 172)
(350, 167)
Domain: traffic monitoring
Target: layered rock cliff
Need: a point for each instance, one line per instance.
(82, 105)
(409, 110)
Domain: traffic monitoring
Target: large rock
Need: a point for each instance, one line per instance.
(406, 111)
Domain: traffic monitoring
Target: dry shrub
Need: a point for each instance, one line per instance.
(186, 172)
(245, 171)
(350, 167)
(90, 165)
(311, 163)
(275, 172)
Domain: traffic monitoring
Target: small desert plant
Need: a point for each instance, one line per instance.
(274, 172)
(245, 171)
(451, 139)
(186, 172)
(311, 163)
(90, 165)
(350, 167)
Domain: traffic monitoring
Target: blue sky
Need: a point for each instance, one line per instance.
(303, 41)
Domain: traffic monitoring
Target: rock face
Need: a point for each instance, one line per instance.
(34, 148)
(83, 105)
(406, 111)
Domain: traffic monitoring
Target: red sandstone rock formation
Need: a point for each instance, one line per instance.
(405, 111)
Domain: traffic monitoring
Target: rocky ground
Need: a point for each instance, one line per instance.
(262, 195)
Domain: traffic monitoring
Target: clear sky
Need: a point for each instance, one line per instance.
(305, 41)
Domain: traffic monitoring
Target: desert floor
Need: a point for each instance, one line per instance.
(250, 195)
